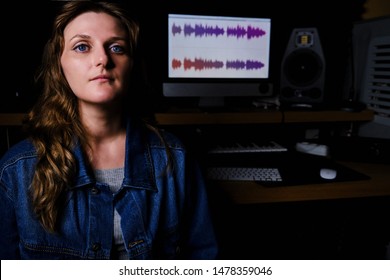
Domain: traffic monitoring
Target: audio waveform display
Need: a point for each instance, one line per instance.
(199, 64)
(250, 32)
(176, 29)
(200, 30)
(247, 65)
(218, 47)
(176, 64)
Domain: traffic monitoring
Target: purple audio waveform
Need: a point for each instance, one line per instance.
(250, 32)
(235, 64)
(206, 30)
(254, 64)
(201, 30)
(248, 65)
(176, 29)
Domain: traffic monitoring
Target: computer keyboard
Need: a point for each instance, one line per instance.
(249, 147)
(259, 174)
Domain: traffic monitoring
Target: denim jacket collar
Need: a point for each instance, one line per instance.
(138, 169)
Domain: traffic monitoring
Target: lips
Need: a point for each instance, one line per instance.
(102, 77)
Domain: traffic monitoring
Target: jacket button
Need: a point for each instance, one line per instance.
(135, 243)
(96, 247)
(95, 190)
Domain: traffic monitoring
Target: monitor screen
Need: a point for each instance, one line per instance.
(213, 57)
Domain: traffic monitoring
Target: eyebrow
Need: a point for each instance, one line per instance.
(83, 36)
(80, 36)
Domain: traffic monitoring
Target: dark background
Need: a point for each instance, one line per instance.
(336, 229)
(333, 21)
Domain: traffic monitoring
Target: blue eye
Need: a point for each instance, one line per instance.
(117, 49)
(81, 48)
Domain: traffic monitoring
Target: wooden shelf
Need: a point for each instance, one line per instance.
(244, 117)
(11, 119)
(260, 117)
(217, 118)
(327, 116)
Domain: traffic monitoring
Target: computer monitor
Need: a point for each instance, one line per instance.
(215, 57)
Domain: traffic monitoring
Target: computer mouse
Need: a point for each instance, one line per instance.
(328, 173)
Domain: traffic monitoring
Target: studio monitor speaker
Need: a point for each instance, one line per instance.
(303, 70)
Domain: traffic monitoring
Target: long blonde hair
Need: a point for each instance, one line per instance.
(53, 123)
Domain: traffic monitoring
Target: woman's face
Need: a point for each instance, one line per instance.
(95, 59)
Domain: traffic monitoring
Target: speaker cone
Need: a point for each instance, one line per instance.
(303, 68)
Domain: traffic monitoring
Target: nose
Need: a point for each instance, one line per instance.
(100, 57)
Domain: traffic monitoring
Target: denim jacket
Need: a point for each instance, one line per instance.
(163, 215)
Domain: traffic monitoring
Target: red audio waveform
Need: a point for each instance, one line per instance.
(201, 64)
(176, 63)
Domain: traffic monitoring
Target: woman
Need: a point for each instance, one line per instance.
(92, 181)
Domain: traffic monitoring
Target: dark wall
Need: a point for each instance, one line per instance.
(26, 27)
(332, 20)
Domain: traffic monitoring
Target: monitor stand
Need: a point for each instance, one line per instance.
(211, 102)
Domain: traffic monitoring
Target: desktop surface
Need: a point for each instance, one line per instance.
(250, 192)
(295, 168)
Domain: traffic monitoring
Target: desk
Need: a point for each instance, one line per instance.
(251, 193)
